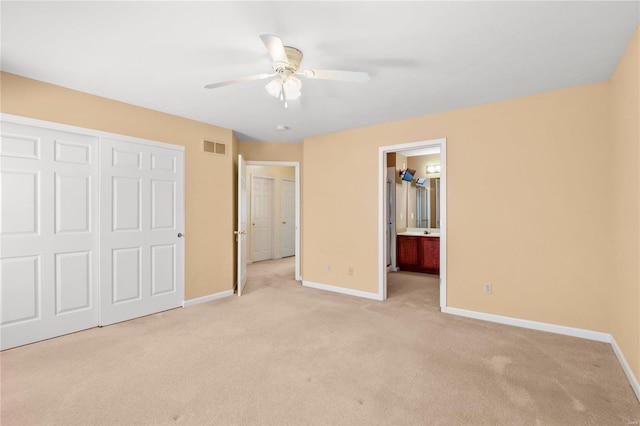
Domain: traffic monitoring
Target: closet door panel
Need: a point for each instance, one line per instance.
(142, 225)
(48, 238)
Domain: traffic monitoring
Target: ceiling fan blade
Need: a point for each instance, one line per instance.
(275, 47)
(239, 80)
(351, 76)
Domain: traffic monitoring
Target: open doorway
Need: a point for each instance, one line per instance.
(412, 215)
(273, 211)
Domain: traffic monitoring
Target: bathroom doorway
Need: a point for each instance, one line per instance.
(413, 176)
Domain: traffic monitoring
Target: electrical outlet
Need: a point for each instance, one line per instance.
(328, 268)
(350, 270)
(488, 289)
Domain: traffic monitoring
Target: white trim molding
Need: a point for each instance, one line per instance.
(382, 219)
(633, 381)
(342, 290)
(207, 298)
(534, 325)
(557, 329)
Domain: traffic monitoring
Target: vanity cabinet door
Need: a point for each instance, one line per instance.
(408, 251)
(430, 253)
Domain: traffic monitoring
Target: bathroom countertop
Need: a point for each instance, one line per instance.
(417, 234)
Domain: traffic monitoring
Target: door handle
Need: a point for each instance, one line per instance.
(180, 235)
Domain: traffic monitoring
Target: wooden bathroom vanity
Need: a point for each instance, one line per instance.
(418, 253)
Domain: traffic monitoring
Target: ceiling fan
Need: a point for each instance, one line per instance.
(286, 63)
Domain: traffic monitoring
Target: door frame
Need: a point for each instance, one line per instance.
(294, 212)
(296, 165)
(382, 216)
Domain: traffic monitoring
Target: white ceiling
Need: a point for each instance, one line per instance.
(423, 57)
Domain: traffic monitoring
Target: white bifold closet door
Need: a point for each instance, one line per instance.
(90, 231)
(141, 241)
(48, 244)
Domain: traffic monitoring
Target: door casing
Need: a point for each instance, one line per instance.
(383, 219)
(296, 166)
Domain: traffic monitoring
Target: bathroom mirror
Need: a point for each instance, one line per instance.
(428, 204)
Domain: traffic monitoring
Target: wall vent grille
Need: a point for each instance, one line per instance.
(213, 147)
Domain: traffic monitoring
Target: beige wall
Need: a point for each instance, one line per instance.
(209, 197)
(532, 152)
(271, 151)
(278, 173)
(624, 218)
(420, 163)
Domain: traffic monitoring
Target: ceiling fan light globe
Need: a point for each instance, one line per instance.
(292, 87)
(274, 87)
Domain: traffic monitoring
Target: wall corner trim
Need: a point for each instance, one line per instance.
(633, 381)
(207, 298)
(557, 329)
(343, 290)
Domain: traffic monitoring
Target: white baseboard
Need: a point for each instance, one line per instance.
(343, 290)
(558, 329)
(535, 325)
(633, 381)
(208, 298)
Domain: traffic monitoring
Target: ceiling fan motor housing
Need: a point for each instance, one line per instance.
(294, 56)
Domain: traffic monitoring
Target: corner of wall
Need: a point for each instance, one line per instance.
(625, 204)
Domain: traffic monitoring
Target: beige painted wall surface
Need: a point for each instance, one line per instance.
(624, 221)
(208, 191)
(420, 163)
(525, 229)
(278, 173)
(271, 151)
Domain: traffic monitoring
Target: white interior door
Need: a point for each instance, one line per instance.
(288, 217)
(241, 232)
(142, 224)
(261, 218)
(48, 233)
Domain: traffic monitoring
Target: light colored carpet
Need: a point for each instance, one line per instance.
(284, 354)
